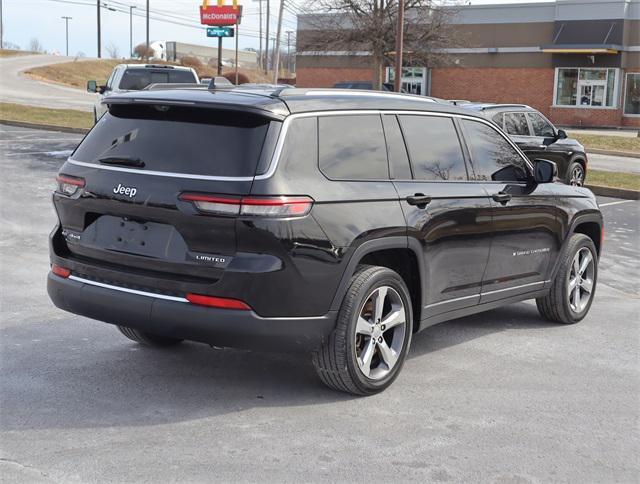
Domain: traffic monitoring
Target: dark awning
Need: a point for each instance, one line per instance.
(586, 37)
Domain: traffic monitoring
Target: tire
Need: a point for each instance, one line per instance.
(576, 174)
(559, 305)
(385, 347)
(148, 339)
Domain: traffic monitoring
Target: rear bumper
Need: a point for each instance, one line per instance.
(177, 319)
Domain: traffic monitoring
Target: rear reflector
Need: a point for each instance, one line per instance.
(217, 302)
(60, 271)
(250, 206)
(69, 185)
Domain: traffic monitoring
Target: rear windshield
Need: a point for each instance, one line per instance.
(175, 139)
(138, 79)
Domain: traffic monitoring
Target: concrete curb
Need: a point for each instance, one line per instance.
(48, 127)
(623, 154)
(614, 192)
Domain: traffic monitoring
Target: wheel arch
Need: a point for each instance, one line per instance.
(589, 224)
(395, 253)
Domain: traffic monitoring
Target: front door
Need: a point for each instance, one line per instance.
(447, 215)
(525, 226)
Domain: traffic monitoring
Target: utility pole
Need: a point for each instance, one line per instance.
(66, 21)
(1, 27)
(399, 46)
(266, 44)
(277, 51)
(131, 30)
(99, 33)
(260, 57)
(236, 62)
(147, 28)
(289, 32)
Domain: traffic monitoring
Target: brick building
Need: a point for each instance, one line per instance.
(577, 61)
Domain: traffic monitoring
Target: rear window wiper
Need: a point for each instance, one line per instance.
(122, 160)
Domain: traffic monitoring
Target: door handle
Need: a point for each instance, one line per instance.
(419, 199)
(501, 197)
(542, 147)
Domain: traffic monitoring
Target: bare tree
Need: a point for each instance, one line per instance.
(370, 25)
(35, 45)
(113, 51)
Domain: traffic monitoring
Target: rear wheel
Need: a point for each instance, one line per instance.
(148, 339)
(574, 286)
(575, 174)
(367, 349)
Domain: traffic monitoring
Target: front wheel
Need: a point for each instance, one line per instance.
(575, 174)
(574, 286)
(367, 349)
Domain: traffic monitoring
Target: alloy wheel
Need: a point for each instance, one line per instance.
(380, 332)
(580, 285)
(577, 176)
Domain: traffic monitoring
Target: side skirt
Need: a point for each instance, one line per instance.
(460, 313)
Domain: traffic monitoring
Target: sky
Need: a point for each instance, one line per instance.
(24, 20)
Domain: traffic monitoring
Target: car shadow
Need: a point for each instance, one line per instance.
(100, 379)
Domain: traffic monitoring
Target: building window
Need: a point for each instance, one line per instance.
(589, 88)
(632, 95)
(415, 80)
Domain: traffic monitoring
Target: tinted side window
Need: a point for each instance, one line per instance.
(541, 127)
(492, 157)
(398, 159)
(352, 147)
(516, 124)
(434, 148)
(138, 79)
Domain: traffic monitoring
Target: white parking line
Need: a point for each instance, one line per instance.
(616, 203)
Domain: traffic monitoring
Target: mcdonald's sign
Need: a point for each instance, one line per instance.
(220, 14)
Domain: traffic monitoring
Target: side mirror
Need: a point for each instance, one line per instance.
(544, 171)
(92, 86)
(562, 134)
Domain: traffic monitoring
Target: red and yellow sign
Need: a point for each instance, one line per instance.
(220, 14)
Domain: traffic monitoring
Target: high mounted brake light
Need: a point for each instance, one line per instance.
(69, 185)
(282, 206)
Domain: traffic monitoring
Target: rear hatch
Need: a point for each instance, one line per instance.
(132, 171)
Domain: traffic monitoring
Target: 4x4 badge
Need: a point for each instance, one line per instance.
(127, 191)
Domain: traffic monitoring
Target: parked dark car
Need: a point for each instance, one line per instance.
(312, 220)
(363, 85)
(537, 137)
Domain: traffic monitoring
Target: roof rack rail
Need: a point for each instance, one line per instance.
(497, 106)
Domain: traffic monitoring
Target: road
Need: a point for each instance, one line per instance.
(16, 88)
(613, 163)
(499, 397)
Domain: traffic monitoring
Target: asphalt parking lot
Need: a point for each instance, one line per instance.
(498, 397)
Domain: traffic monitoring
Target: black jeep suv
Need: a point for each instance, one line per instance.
(322, 221)
(538, 138)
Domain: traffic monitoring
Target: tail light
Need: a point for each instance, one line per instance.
(60, 271)
(217, 302)
(250, 206)
(69, 185)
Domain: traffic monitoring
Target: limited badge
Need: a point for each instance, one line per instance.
(220, 261)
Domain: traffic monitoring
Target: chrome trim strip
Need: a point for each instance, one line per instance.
(159, 173)
(285, 127)
(130, 291)
(486, 293)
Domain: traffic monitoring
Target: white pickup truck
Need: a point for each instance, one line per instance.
(135, 77)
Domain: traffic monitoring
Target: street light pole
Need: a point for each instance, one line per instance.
(276, 52)
(260, 58)
(1, 27)
(131, 30)
(399, 46)
(66, 21)
(99, 33)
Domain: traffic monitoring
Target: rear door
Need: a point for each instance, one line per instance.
(526, 233)
(137, 164)
(449, 216)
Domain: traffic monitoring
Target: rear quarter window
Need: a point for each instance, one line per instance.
(178, 140)
(352, 147)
